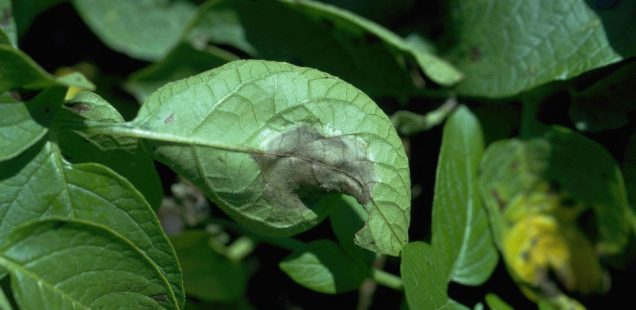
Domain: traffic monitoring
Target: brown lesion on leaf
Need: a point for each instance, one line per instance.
(302, 163)
(78, 107)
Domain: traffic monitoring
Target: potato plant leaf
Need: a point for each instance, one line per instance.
(141, 29)
(71, 264)
(24, 123)
(324, 267)
(8, 31)
(425, 283)
(505, 47)
(207, 274)
(19, 71)
(265, 140)
(134, 163)
(39, 184)
(321, 36)
(459, 222)
(181, 62)
(462, 249)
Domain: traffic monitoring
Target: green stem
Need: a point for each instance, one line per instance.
(388, 279)
(240, 248)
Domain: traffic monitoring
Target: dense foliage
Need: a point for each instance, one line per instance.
(160, 154)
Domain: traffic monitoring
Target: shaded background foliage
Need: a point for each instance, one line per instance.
(70, 42)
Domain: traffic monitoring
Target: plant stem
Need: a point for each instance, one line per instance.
(387, 279)
(240, 248)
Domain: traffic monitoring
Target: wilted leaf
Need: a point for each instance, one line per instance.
(65, 264)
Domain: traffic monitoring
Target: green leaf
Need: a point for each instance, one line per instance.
(265, 139)
(24, 123)
(629, 170)
(606, 104)
(461, 235)
(496, 303)
(141, 29)
(322, 36)
(19, 71)
(207, 274)
(8, 32)
(505, 47)
(39, 184)
(409, 123)
(64, 264)
(4, 301)
(323, 267)
(181, 62)
(133, 163)
(425, 279)
(347, 216)
(600, 184)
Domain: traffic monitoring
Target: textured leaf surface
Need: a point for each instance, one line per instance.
(60, 264)
(324, 37)
(562, 157)
(347, 217)
(207, 274)
(134, 163)
(144, 29)
(460, 226)
(324, 267)
(506, 47)
(24, 123)
(181, 62)
(265, 139)
(425, 282)
(39, 184)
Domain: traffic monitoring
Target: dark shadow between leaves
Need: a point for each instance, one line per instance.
(619, 22)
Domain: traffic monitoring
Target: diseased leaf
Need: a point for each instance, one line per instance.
(39, 184)
(505, 47)
(144, 29)
(321, 36)
(601, 185)
(425, 281)
(62, 264)
(323, 267)
(22, 124)
(249, 122)
(181, 62)
(208, 275)
(461, 235)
